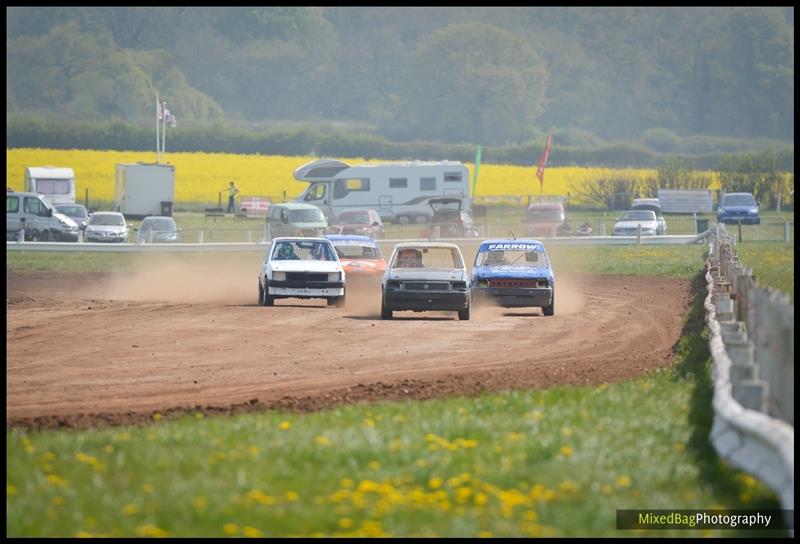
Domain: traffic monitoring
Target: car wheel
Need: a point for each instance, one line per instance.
(402, 220)
(338, 302)
(263, 298)
(44, 236)
(463, 315)
(385, 313)
(551, 309)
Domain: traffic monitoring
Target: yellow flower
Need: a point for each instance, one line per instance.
(485, 534)
(346, 483)
(480, 499)
(566, 451)
(421, 463)
(251, 532)
(435, 483)
(55, 479)
(284, 426)
(566, 431)
(680, 446)
(567, 486)
(345, 523)
(200, 503)
(148, 488)
(369, 422)
(11, 490)
(230, 529)
(322, 441)
(157, 417)
(57, 501)
(623, 481)
(198, 415)
(291, 496)
(150, 530)
(606, 489)
(374, 465)
(130, 509)
(513, 437)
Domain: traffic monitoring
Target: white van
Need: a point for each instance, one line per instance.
(398, 191)
(56, 185)
(39, 219)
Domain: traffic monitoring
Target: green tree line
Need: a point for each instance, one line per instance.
(657, 77)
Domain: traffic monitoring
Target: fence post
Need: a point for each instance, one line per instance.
(639, 233)
(694, 220)
(786, 231)
(250, 236)
(200, 236)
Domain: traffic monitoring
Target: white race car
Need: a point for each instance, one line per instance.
(301, 268)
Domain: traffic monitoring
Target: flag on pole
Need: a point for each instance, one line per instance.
(169, 118)
(159, 108)
(477, 166)
(542, 162)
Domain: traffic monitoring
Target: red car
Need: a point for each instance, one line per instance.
(360, 256)
(365, 222)
(542, 219)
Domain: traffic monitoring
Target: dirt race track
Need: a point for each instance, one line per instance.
(94, 349)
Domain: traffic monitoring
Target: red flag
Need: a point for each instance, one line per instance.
(542, 162)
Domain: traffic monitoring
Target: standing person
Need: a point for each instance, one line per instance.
(233, 190)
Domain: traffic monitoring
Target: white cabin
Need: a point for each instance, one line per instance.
(56, 185)
(143, 189)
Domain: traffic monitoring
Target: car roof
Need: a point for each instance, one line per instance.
(157, 217)
(403, 245)
(296, 205)
(299, 239)
(513, 241)
(351, 237)
(108, 213)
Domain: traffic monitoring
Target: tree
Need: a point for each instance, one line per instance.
(472, 82)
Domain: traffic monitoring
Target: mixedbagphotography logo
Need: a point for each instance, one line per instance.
(705, 519)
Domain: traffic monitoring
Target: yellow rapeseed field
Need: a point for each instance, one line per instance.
(199, 177)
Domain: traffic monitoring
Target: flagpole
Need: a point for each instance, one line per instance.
(164, 128)
(158, 137)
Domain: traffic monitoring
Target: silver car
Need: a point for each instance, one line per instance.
(106, 227)
(423, 276)
(158, 229)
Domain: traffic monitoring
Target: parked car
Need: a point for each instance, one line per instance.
(158, 229)
(512, 274)
(76, 212)
(652, 205)
(628, 223)
(106, 227)
(40, 220)
(363, 221)
(452, 219)
(543, 218)
(296, 219)
(424, 276)
(297, 267)
(360, 256)
(736, 207)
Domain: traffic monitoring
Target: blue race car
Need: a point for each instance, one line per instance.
(514, 274)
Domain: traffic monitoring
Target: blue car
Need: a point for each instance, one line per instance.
(736, 207)
(514, 274)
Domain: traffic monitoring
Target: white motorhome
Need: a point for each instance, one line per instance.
(398, 191)
(143, 189)
(56, 185)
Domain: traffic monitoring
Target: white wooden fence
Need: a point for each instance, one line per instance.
(752, 347)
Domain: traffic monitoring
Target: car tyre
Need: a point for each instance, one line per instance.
(403, 220)
(385, 312)
(463, 315)
(551, 309)
(263, 298)
(44, 236)
(337, 302)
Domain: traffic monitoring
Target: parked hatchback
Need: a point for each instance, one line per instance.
(295, 219)
(158, 229)
(736, 207)
(76, 212)
(106, 227)
(365, 222)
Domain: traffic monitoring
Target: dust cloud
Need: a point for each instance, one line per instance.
(204, 279)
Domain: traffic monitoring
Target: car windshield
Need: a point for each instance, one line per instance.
(738, 200)
(72, 211)
(641, 215)
(353, 249)
(354, 218)
(535, 258)
(161, 223)
(427, 257)
(544, 215)
(306, 216)
(302, 250)
(115, 220)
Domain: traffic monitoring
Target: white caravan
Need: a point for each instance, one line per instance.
(143, 189)
(56, 185)
(398, 191)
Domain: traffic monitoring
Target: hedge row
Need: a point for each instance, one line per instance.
(305, 140)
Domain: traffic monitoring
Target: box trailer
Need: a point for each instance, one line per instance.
(55, 184)
(144, 189)
(398, 191)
